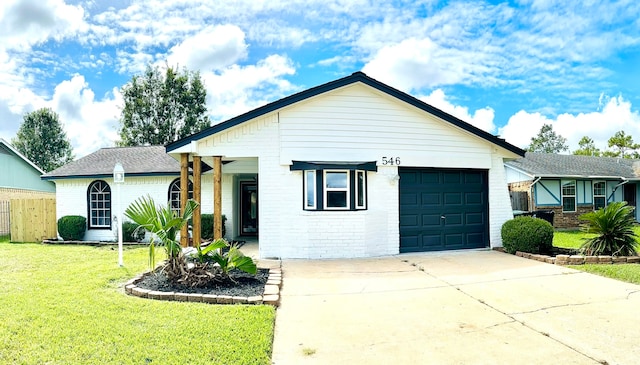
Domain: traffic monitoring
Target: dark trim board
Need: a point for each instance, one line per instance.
(443, 209)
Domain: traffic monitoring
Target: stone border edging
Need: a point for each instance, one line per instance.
(579, 259)
(271, 295)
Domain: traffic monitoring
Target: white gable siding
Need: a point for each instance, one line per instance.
(357, 124)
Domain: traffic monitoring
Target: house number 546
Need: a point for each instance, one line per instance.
(391, 161)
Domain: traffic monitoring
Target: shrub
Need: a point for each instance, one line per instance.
(72, 227)
(129, 233)
(527, 234)
(613, 226)
(206, 221)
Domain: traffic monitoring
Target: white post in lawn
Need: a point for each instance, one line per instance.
(118, 179)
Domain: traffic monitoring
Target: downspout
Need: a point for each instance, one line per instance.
(624, 181)
(531, 192)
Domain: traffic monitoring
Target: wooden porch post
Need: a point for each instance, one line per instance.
(197, 181)
(184, 195)
(217, 197)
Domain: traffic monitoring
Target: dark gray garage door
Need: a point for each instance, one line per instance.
(443, 209)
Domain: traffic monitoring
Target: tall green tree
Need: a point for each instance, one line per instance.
(622, 145)
(162, 106)
(548, 141)
(586, 147)
(42, 140)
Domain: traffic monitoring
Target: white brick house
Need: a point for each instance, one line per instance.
(355, 168)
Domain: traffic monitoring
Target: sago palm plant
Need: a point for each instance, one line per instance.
(613, 226)
(164, 224)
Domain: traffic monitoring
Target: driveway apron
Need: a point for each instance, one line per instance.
(466, 307)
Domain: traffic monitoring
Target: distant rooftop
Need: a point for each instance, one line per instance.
(554, 165)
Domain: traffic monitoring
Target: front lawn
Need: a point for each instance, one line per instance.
(66, 305)
(623, 272)
(573, 239)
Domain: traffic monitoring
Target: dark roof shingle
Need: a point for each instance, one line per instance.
(141, 161)
(548, 164)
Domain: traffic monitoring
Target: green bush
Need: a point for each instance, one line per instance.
(613, 227)
(527, 234)
(129, 233)
(72, 227)
(206, 221)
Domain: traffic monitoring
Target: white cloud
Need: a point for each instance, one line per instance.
(481, 118)
(90, 124)
(238, 89)
(27, 22)
(213, 48)
(616, 115)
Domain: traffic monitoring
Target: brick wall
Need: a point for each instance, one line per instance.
(566, 219)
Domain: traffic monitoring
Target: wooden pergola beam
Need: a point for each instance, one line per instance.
(197, 196)
(217, 197)
(184, 195)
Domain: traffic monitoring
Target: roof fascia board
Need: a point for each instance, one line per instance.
(103, 176)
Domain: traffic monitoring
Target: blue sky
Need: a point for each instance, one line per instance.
(506, 67)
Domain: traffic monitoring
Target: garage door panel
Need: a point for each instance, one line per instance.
(408, 220)
(430, 220)
(473, 198)
(426, 195)
(431, 199)
(452, 220)
(474, 218)
(452, 198)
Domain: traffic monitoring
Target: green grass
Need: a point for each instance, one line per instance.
(569, 239)
(66, 305)
(623, 272)
(4, 238)
(574, 239)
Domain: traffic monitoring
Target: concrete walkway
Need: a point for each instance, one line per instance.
(472, 307)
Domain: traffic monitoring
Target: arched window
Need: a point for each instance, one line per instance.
(99, 203)
(174, 194)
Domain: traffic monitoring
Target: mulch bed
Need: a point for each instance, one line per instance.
(246, 285)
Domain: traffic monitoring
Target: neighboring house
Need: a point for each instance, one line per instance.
(571, 185)
(85, 187)
(20, 178)
(354, 168)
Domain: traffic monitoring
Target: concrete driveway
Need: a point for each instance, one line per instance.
(471, 307)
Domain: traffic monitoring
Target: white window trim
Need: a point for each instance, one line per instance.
(102, 192)
(326, 189)
(364, 190)
(314, 194)
(574, 196)
(599, 195)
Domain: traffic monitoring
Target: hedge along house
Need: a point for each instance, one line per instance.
(571, 185)
(85, 187)
(353, 168)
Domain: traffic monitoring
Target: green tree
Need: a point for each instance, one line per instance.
(160, 108)
(548, 141)
(42, 140)
(586, 147)
(622, 145)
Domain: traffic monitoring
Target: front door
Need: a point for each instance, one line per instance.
(248, 208)
(630, 196)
